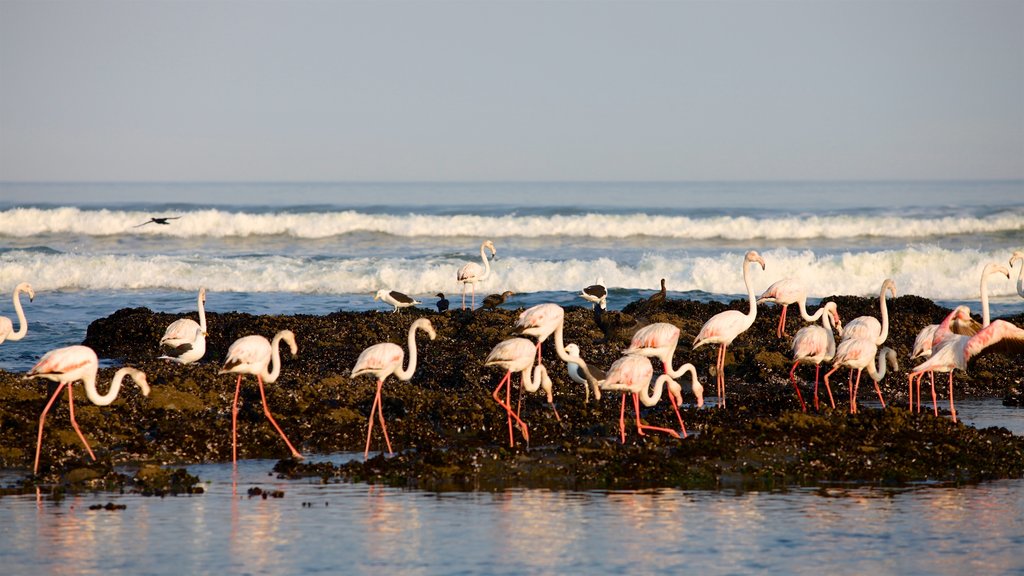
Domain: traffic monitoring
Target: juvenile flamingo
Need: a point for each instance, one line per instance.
(724, 327)
(253, 355)
(516, 355)
(69, 365)
(383, 360)
(184, 341)
(857, 354)
(472, 273)
(659, 340)
(632, 374)
(814, 345)
(6, 326)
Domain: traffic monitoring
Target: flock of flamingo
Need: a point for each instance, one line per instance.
(945, 347)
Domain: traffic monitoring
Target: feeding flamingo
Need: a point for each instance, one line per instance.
(814, 345)
(516, 355)
(383, 360)
(632, 374)
(858, 354)
(472, 273)
(659, 340)
(785, 292)
(184, 341)
(253, 355)
(541, 321)
(69, 365)
(6, 326)
(724, 327)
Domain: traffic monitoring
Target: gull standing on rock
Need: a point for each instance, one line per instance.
(395, 298)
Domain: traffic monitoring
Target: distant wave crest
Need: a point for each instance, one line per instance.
(28, 222)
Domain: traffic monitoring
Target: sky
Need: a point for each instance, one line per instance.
(350, 91)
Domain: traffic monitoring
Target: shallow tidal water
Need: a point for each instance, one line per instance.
(357, 528)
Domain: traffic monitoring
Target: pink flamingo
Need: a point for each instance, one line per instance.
(253, 355)
(6, 326)
(724, 327)
(659, 340)
(184, 341)
(516, 355)
(785, 292)
(955, 351)
(383, 360)
(69, 365)
(868, 327)
(632, 373)
(1018, 256)
(540, 322)
(472, 273)
(814, 345)
(857, 354)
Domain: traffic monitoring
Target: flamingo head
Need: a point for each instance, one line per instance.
(490, 246)
(751, 256)
(202, 294)
(1018, 256)
(27, 289)
(830, 308)
(993, 268)
(426, 326)
(890, 285)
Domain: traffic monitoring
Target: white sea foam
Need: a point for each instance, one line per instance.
(26, 222)
(926, 271)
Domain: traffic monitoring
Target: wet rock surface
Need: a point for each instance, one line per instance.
(449, 433)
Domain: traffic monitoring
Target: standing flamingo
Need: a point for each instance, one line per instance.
(383, 360)
(814, 345)
(6, 326)
(253, 355)
(516, 355)
(472, 273)
(659, 340)
(69, 365)
(785, 292)
(541, 321)
(1018, 256)
(184, 341)
(632, 374)
(858, 354)
(724, 327)
(868, 327)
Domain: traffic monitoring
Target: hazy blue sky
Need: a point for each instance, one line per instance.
(349, 91)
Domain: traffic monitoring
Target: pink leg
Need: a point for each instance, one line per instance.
(369, 427)
(782, 322)
(380, 415)
(935, 400)
(463, 295)
(678, 416)
(829, 388)
(641, 427)
(816, 369)
(266, 410)
(856, 388)
(71, 409)
(42, 420)
(797, 388)
(234, 423)
(721, 373)
(879, 391)
(952, 409)
(508, 408)
(472, 306)
(931, 377)
(622, 419)
(910, 392)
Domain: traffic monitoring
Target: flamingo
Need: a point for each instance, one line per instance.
(929, 337)
(633, 373)
(597, 294)
(395, 298)
(814, 345)
(785, 292)
(541, 321)
(868, 327)
(471, 273)
(1018, 256)
(516, 355)
(383, 360)
(253, 355)
(955, 351)
(69, 365)
(184, 341)
(6, 326)
(659, 340)
(724, 327)
(858, 354)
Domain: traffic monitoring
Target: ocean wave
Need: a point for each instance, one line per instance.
(931, 272)
(213, 223)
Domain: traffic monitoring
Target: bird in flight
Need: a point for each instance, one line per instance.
(163, 220)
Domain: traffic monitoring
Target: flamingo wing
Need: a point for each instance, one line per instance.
(64, 361)
(1000, 336)
(469, 272)
(248, 351)
(379, 358)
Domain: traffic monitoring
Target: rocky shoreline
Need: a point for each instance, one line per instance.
(449, 433)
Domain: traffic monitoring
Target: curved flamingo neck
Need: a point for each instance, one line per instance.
(115, 386)
(877, 369)
(22, 322)
(202, 310)
(989, 270)
(651, 395)
(275, 360)
(802, 304)
(884, 334)
(830, 348)
(406, 374)
(487, 263)
(1020, 279)
(752, 313)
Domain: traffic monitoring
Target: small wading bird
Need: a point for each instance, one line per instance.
(495, 300)
(383, 360)
(472, 273)
(253, 355)
(724, 327)
(184, 341)
(163, 220)
(396, 299)
(69, 365)
(6, 326)
(632, 374)
(814, 345)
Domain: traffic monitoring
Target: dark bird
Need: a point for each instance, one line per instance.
(659, 296)
(616, 326)
(396, 299)
(442, 303)
(495, 300)
(596, 293)
(163, 220)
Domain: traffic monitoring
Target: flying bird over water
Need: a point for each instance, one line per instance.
(160, 220)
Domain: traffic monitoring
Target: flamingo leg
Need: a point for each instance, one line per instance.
(463, 295)
(935, 400)
(721, 373)
(782, 322)
(641, 427)
(42, 420)
(380, 415)
(910, 392)
(678, 416)
(71, 409)
(879, 391)
(952, 409)
(792, 380)
(234, 423)
(856, 388)
(931, 377)
(508, 408)
(369, 428)
(473, 301)
(266, 410)
(829, 388)
(622, 419)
